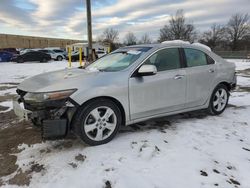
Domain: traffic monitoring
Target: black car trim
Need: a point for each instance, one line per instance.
(73, 102)
(183, 57)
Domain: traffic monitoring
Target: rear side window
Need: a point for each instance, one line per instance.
(195, 57)
(166, 59)
(58, 51)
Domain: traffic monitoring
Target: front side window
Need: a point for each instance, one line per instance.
(167, 59)
(118, 60)
(195, 57)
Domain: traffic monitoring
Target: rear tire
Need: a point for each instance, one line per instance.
(219, 100)
(98, 122)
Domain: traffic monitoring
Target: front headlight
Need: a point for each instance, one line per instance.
(42, 97)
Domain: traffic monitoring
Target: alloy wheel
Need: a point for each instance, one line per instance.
(220, 99)
(100, 123)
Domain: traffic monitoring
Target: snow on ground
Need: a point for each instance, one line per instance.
(11, 91)
(17, 72)
(242, 64)
(182, 151)
(7, 104)
(150, 158)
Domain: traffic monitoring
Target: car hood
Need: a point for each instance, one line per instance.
(60, 80)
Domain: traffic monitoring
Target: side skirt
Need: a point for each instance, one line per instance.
(167, 114)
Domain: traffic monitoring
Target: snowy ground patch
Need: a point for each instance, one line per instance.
(16, 72)
(7, 104)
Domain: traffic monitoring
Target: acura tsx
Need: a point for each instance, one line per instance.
(132, 84)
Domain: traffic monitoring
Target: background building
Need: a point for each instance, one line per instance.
(84, 46)
(18, 41)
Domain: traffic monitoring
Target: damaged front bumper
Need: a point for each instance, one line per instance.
(54, 117)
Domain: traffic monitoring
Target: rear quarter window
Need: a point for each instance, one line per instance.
(210, 61)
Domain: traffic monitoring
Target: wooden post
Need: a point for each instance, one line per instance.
(89, 26)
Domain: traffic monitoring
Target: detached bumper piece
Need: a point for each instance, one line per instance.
(234, 83)
(53, 129)
(20, 111)
(53, 117)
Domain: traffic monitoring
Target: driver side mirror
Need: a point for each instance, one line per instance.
(147, 70)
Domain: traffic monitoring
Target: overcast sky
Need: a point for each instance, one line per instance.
(67, 18)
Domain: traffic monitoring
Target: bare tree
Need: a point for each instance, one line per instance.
(237, 28)
(214, 36)
(130, 39)
(177, 28)
(145, 39)
(110, 35)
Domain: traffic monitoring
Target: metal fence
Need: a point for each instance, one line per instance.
(234, 54)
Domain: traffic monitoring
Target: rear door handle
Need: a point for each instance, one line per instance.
(178, 77)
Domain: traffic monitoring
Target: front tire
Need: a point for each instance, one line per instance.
(98, 122)
(59, 58)
(20, 61)
(219, 100)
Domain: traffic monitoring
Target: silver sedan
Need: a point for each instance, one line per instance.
(130, 85)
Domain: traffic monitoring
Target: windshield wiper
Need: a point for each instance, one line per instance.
(103, 70)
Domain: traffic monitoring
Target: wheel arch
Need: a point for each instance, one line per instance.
(225, 83)
(117, 102)
(228, 85)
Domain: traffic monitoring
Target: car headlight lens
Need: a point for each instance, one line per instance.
(42, 97)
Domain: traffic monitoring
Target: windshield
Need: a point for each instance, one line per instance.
(118, 60)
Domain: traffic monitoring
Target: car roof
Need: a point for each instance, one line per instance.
(33, 52)
(176, 43)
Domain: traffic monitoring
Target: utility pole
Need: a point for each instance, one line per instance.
(89, 26)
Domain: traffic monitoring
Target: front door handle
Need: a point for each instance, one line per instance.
(211, 70)
(178, 77)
